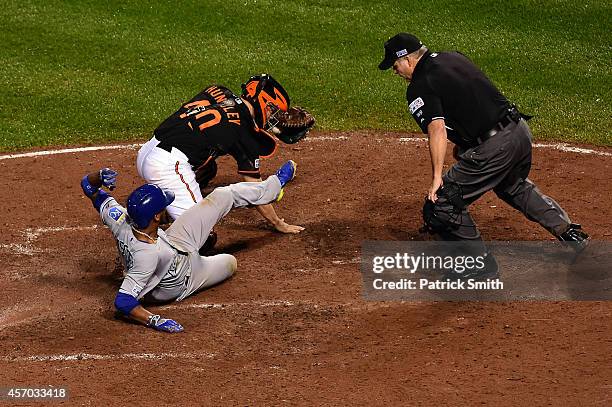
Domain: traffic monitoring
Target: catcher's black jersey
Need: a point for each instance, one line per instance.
(448, 85)
(215, 122)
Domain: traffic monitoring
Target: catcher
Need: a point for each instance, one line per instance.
(182, 154)
(163, 265)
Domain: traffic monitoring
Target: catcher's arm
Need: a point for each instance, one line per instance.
(268, 212)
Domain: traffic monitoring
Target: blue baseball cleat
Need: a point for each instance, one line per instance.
(286, 172)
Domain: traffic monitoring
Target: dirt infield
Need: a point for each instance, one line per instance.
(291, 328)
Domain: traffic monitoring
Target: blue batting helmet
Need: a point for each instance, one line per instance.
(147, 201)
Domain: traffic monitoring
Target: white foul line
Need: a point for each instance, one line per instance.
(555, 146)
(571, 149)
(68, 150)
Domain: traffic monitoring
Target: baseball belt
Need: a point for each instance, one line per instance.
(512, 116)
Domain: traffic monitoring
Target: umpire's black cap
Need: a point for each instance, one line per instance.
(399, 46)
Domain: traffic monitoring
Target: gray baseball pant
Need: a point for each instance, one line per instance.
(502, 164)
(190, 231)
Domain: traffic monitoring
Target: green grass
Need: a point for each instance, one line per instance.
(77, 72)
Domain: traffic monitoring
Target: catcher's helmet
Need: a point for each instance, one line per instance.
(147, 201)
(268, 97)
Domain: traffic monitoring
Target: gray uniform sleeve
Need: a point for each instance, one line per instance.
(113, 215)
(140, 261)
(138, 276)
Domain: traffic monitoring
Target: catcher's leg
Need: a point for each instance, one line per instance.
(143, 153)
(206, 173)
(169, 170)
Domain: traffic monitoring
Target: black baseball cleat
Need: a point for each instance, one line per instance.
(575, 237)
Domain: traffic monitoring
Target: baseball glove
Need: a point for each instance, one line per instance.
(294, 124)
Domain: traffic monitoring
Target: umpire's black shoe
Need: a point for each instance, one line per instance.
(575, 237)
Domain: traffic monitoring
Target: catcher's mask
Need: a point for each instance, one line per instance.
(268, 99)
(147, 201)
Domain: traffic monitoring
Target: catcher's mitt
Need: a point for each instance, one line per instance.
(293, 125)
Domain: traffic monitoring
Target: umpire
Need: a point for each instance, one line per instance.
(451, 98)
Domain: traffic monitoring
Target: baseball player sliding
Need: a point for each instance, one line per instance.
(163, 265)
(182, 154)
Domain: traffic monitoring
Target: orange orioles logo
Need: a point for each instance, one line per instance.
(268, 104)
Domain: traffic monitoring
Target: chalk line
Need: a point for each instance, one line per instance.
(120, 147)
(327, 138)
(92, 356)
(18, 314)
(261, 304)
(31, 234)
(554, 146)
(68, 150)
(354, 260)
(571, 149)
(317, 306)
(412, 140)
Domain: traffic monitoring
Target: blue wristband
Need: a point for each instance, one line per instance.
(88, 189)
(125, 303)
(100, 198)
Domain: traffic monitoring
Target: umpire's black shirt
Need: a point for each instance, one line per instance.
(447, 85)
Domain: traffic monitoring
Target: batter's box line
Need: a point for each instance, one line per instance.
(354, 260)
(319, 306)
(31, 234)
(262, 304)
(121, 356)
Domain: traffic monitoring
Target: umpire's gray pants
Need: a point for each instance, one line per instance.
(190, 231)
(502, 164)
